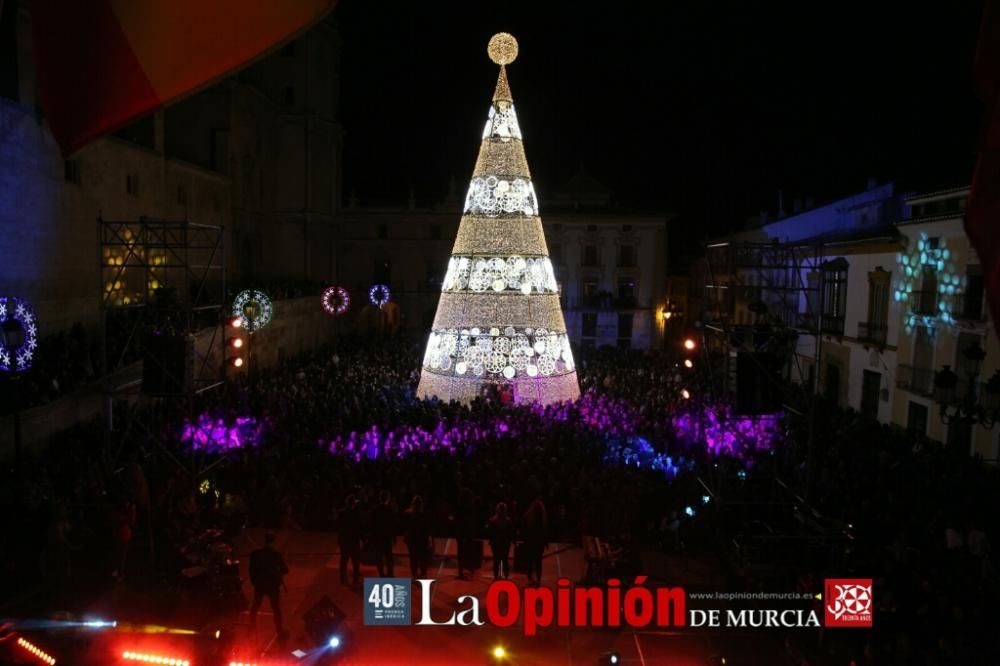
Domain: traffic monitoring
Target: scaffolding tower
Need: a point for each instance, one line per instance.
(159, 280)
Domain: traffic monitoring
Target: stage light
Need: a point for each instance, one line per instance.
(99, 624)
(334, 642)
(610, 659)
(36, 651)
(237, 343)
(237, 362)
(689, 344)
(146, 658)
(499, 652)
(688, 363)
(236, 322)
(685, 394)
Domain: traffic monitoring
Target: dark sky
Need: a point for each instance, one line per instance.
(701, 108)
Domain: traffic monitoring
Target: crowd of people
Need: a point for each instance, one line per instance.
(337, 440)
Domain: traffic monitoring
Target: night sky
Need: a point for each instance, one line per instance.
(702, 109)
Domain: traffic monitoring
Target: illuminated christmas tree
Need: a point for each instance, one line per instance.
(499, 320)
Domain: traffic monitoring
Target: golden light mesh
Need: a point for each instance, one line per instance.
(502, 158)
(461, 310)
(501, 236)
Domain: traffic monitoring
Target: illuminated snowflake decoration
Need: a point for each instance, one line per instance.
(502, 124)
(922, 260)
(492, 196)
(512, 274)
(335, 300)
(379, 294)
(254, 309)
(16, 313)
(491, 352)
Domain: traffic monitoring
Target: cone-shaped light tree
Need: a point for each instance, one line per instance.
(499, 320)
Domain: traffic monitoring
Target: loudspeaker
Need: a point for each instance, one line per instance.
(323, 620)
(758, 383)
(163, 364)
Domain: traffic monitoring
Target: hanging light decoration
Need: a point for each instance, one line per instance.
(18, 334)
(335, 300)
(379, 294)
(254, 309)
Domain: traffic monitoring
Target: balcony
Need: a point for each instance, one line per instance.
(916, 380)
(832, 324)
(873, 332)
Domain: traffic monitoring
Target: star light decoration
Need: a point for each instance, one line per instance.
(335, 300)
(379, 295)
(254, 309)
(922, 258)
(499, 320)
(19, 312)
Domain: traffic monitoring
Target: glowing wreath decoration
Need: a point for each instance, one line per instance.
(379, 294)
(254, 309)
(16, 312)
(336, 300)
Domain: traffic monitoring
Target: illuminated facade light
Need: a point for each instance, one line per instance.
(685, 394)
(379, 295)
(499, 652)
(36, 651)
(335, 300)
(688, 363)
(689, 344)
(254, 309)
(18, 335)
(499, 320)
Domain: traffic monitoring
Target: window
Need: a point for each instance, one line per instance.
(927, 302)
(132, 183)
(878, 307)
(589, 287)
(966, 368)
(589, 255)
(289, 98)
(972, 299)
(435, 232)
(625, 326)
(871, 388)
(625, 256)
(555, 254)
(916, 418)
(589, 324)
(71, 171)
(626, 291)
(382, 232)
(834, 296)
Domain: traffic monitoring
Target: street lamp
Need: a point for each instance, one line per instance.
(968, 408)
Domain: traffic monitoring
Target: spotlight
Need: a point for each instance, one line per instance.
(688, 363)
(236, 322)
(334, 642)
(685, 394)
(237, 362)
(610, 659)
(499, 653)
(689, 343)
(237, 343)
